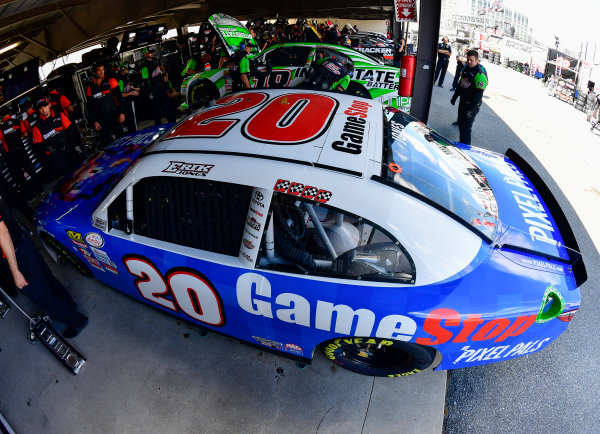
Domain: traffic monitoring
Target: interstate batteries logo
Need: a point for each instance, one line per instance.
(234, 33)
(183, 168)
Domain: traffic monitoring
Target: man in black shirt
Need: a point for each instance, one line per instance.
(444, 53)
(23, 262)
(152, 71)
(471, 85)
(107, 109)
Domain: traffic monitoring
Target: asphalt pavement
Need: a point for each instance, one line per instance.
(555, 390)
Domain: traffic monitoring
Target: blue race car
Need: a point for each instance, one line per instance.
(296, 220)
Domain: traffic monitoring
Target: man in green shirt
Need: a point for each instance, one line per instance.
(473, 81)
(129, 93)
(240, 70)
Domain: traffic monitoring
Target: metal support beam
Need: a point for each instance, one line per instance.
(23, 52)
(39, 44)
(429, 29)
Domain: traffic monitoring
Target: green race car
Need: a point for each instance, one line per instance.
(288, 65)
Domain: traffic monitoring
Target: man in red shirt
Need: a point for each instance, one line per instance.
(13, 152)
(60, 103)
(106, 106)
(53, 139)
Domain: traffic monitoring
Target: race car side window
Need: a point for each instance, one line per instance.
(198, 213)
(307, 237)
(288, 56)
(333, 54)
(117, 213)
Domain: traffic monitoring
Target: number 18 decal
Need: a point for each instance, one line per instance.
(182, 290)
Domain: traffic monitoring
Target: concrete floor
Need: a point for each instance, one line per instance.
(150, 373)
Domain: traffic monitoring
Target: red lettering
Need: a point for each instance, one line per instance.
(470, 324)
(433, 326)
(351, 112)
(491, 329)
(291, 119)
(212, 122)
(521, 324)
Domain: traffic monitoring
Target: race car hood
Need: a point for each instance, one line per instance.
(531, 218)
(232, 33)
(86, 187)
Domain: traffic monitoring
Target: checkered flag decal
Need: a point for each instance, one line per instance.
(323, 196)
(282, 185)
(310, 192)
(296, 188)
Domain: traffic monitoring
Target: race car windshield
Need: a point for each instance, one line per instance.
(422, 162)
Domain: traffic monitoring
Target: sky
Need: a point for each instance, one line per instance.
(573, 22)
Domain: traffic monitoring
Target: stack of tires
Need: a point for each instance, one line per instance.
(495, 58)
(580, 102)
(505, 61)
(565, 91)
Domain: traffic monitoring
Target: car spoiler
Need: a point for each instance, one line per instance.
(575, 258)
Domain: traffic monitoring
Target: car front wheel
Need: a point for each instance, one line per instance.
(378, 357)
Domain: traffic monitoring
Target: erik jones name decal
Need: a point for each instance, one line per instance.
(183, 168)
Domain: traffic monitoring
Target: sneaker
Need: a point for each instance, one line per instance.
(455, 123)
(453, 89)
(439, 85)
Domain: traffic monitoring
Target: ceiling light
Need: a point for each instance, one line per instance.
(9, 47)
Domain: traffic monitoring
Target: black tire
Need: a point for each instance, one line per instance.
(201, 93)
(64, 253)
(378, 357)
(357, 89)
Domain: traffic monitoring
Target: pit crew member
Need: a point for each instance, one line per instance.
(107, 110)
(473, 81)
(22, 260)
(152, 71)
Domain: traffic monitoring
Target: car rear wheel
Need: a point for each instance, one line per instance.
(65, 255)
(379, 357)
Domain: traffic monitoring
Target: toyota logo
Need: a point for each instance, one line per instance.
(259, 196)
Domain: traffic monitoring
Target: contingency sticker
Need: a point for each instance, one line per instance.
(268, 343)
(255, 222)
(94, 239)
(100, 223)
(94, 263)
(74, 235)
(102, 256)
(293, 348)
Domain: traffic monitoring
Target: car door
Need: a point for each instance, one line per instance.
(183, 242)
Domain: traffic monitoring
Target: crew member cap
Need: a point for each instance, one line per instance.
(148, 50)
(42, 102)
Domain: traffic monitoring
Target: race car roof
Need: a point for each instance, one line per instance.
(328, 130)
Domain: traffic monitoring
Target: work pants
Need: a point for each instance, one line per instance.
(44, 289)
(465, 121)
(440, 70)
(160, 102)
